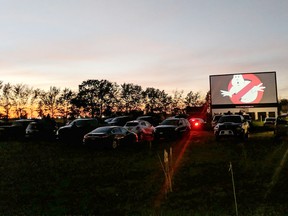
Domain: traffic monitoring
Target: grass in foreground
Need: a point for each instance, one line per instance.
(45, 178)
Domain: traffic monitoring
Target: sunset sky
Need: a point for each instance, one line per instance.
(165, 44)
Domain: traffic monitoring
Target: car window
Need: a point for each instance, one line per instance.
(93, 123)
(123, 130)
(216, 118)
(102, 130)
(80, 123)
(235, 119)
(117, 131)
(170, 122)
(85, 123)
(147, 124)
(131, 124)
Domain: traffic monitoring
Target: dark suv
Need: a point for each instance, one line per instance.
(232, 126)
(76, 129)
(172, 128)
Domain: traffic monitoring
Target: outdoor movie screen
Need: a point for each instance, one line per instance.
(242, 89)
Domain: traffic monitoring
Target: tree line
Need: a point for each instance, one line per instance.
(94, 98)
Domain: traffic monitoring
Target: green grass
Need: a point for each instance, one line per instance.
(45, 178)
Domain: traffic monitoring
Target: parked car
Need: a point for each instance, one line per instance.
(269, 123)
(172, 128)
(74, 131)
(109, 136)
(41, 130)
(143, 129)
(281, 126)
(15, 130)
(232, 126)
(119, 120)
(197, 123)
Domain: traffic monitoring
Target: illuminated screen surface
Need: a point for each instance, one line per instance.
(243, 89)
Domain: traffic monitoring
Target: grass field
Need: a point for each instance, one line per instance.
(46, 178)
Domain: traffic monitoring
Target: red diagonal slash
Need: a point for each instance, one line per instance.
(254, 81)
(243, 91)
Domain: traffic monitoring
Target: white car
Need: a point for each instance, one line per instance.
(142, 128)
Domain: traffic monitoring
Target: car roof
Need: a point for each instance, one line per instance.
(145, 116)
(271, 118)
(173, 117)
(232, 115)
(84, 119)
(137, 120)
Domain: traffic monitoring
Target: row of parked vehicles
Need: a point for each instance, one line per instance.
(239, 126)
(111, 132)
(122, 131)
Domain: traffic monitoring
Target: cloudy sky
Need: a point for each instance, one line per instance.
(166, 44)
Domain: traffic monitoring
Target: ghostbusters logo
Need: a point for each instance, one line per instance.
(244, 88)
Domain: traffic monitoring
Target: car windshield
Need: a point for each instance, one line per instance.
(196, 120)
(216, 118)
(170, 122)
(129, 124)
(235, 119)
(21, 123)
(102, 130)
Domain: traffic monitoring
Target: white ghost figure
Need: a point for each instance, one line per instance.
(238, 83)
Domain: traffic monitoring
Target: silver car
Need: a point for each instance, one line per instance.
(142, 128)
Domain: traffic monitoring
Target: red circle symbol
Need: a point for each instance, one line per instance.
(253, 81)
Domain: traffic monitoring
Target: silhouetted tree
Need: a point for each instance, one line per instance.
(95, 95)
(40, 109)
(193, 99)
(33, 100)
(6, 101)
(19, 97)
(283, 105)
(154, 100)
(64, 101)
(165, 102)
(50, 99)
(131, 96)
(177, 100)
